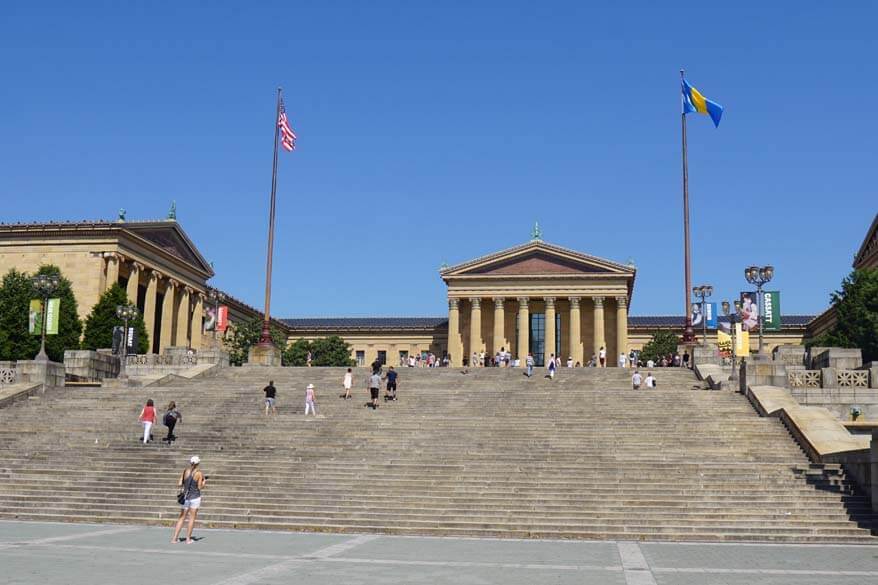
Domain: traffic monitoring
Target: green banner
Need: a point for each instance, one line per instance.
(771, 310)
(52, 313)
(35, 317)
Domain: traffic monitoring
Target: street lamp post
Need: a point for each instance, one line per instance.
(703, 291)
(734, 318)
(45, 285)
(759, 276)
(217, 296)
(125, 312)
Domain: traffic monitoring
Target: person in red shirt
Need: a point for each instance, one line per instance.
(148, 418)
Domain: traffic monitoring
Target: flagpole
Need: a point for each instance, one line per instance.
(688, 332)
(265, 338)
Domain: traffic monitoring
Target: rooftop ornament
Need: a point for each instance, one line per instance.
(122, 215)
(172, 212)
(536, 235)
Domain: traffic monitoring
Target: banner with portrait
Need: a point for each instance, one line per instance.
(749, 312)
(699, 316)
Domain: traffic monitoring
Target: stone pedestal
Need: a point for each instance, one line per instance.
(264, 355)
(84, 365)
(50, 374)
(706, 354)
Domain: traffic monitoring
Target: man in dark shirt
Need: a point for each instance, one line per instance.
(391, 384)
(270, 397)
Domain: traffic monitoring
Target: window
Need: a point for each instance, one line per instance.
(361, 357)
(382, 357)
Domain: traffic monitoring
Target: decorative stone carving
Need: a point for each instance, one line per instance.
(598, 302)
(522, 302)
(476, 303)
(7, 376)
(804, 378)
(574, 302)
(622, 301)
(453, 304)
(498, 302)
(853, 378)
(550, 302)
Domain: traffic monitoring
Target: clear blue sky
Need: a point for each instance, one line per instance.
(440, 131)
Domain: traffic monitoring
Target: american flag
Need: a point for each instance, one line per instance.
(287, 136)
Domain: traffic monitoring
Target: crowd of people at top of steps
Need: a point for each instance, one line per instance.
(504, 359)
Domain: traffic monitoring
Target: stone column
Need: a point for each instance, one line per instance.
(575, 331)
(167, 337)
(152, 280)
(475, 326)
(550, 328)
(455, 347)
(133, 281)
(499, 322)
(182, 339)
(523, 329)
(599, 340)
(197, 316)
(621, 325)
(112, 269)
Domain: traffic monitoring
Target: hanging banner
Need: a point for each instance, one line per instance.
(209, 319)
(724, 342)
(742, 341)
(749, 312)
(35, 317)
(699, 317)
(771, 310)
(53, 309)
(222, 318)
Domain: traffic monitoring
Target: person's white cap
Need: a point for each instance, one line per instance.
(195, 460)
(310, 387)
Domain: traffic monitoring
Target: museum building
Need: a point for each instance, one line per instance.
(571, 303)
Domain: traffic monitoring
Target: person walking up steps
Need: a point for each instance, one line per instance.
(310, 400)
(650, 380)
(602, 355)
(636, 380)
(529, 362)
(551, 366)
(270, 398)
(374, 389)
(391, 384)
(348, 382)
(172, 417)
(191, 483)
(148, 418)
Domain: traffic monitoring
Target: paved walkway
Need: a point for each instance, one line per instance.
(62, 554)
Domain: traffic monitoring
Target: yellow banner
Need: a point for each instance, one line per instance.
(724, 341)
(742, 341)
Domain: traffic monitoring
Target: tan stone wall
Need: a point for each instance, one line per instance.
(638, 338)
(371, 342)
(78, 263)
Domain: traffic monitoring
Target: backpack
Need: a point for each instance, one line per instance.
(169, 419)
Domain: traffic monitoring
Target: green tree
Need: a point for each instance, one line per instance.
(16, 342)
(297, 353)
(662, 343)
(100, 322)
(245, 335)
(856, 312)
(331, 351)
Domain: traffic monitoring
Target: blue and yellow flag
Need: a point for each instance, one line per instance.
(693, 101)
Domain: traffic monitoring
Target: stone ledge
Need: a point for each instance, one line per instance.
(20, 391)
(823, 437)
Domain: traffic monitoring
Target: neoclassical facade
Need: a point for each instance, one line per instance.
(161, 269)
(538, 298)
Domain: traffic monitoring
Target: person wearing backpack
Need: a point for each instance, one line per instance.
(170, 420)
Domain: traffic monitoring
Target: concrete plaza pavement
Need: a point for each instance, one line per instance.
(99, 554)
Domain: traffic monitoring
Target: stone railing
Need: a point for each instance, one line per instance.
(152, 359)
(804, 378)
(852, 378)
(7, 375)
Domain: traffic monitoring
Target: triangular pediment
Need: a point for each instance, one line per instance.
(169, 236)
(867, 255)
(537, 258)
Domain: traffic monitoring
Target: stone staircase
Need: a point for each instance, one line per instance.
(489, 453)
